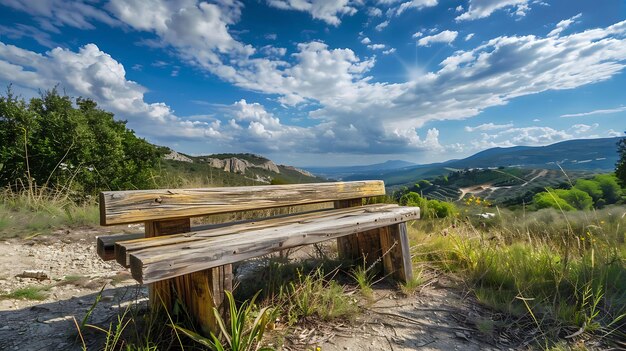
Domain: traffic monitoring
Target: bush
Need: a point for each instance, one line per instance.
(611, 191)
(578, 199)
(590, 187)
(429, 208)
(549, 199)
(54, 140)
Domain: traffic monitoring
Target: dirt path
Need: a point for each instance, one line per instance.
(438, 317)
(541, 174)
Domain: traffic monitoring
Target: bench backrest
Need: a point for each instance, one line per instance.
(121, 207)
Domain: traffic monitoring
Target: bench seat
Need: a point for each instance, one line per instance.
(158, 258)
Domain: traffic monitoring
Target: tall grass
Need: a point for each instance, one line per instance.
(40, 210)
(547, 268)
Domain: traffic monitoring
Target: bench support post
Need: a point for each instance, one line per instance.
(199, 291)
(360, 246)
(394, 243)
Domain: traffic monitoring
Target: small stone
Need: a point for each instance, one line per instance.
(33, 274)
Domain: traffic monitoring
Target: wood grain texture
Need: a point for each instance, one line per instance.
(397, 262)
(119, 207)
(160, 262)
(161, 294)
(123, 250)
(348, 246)
(105, 245)
(369, 250)
(199, 291)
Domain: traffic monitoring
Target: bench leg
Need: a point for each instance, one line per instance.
(364, 245)
(199, 291)
(394, 241)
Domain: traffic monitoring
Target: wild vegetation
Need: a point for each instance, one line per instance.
(54, 141)
(585, 194)
(547, 259)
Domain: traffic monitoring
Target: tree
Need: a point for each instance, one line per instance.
(620, 167)
(590, 187)
(58, 141)
(611, 191)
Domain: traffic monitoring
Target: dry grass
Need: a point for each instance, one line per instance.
(40, 210)
(549, 271)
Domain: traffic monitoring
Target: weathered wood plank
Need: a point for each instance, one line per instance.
(369, 250)
(162, 262)
(395, 242)
(156, 229)
(118, 207)
(105, 245)
(124, 250)
(348, 246)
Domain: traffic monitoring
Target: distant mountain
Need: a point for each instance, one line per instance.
(580, 154)
(344, 171)
(597, 155)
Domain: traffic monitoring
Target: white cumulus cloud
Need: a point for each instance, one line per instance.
(89, 72)
(447, 36)
(415, 4)
(325, 10)
(484, 8)
(382, 25)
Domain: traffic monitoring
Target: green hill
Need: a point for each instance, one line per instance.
(504, 186)
(586, 155)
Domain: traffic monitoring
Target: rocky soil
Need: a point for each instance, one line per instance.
(438, 317)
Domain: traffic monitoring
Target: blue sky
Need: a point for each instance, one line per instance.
(321, 82)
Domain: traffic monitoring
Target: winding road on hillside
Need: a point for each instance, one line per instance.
(481, 188)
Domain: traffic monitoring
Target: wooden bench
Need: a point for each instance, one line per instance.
(195, 265)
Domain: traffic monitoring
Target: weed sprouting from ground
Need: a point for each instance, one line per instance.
(37, 293)
(315, 295)
(364, 279)
(410, 287)
(242, 332)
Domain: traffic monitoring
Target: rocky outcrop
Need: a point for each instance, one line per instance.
(236, 165)
(173, 155)
(215, 162)
(269, 165)
(301, 171)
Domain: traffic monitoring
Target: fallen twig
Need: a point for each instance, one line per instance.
(415, 321)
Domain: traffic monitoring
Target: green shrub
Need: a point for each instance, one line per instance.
(578, 199)
(549, 199)
(590, 187)
(412, 199)
(611, 191)
(428, 208)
